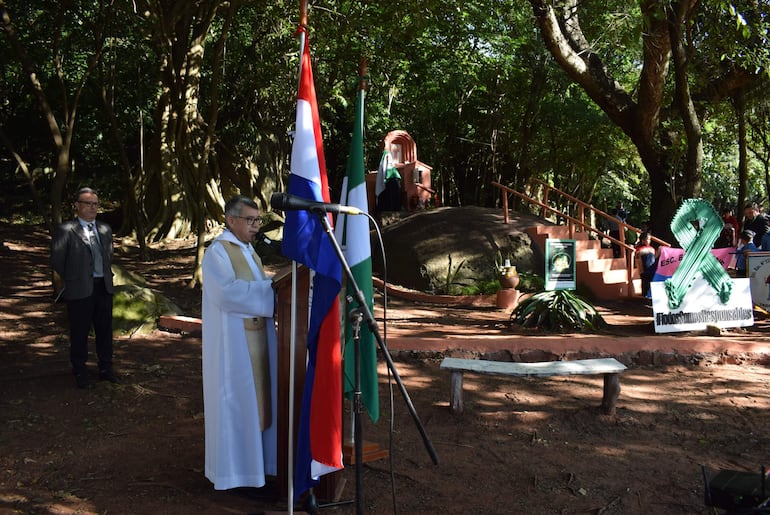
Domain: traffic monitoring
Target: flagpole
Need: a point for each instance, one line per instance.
(293, 338)
(357, 316)
(361, 91)
(292, 354)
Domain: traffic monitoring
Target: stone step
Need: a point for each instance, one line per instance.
(596, 269)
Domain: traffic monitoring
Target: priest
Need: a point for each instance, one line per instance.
(239, 355)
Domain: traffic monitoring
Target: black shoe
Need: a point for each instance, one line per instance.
(82, 381)
(109, 375)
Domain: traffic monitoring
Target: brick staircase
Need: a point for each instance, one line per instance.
(596, 269)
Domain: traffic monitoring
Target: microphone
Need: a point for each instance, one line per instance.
(288, 202)
(260, 236)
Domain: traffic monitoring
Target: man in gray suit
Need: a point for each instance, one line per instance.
(82, 258)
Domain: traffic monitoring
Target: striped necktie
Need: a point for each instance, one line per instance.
(96, 251)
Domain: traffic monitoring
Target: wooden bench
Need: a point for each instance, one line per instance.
(610, 367)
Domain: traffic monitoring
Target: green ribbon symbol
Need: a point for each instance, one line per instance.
(696, 226)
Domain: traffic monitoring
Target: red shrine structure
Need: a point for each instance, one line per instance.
(415, 192)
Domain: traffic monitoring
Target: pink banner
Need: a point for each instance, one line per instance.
(669, 259)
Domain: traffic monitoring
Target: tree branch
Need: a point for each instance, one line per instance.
(564, 39)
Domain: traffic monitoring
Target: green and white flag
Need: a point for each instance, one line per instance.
(352, 233)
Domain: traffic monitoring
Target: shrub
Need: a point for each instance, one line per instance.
(557, 310)
(530, 282)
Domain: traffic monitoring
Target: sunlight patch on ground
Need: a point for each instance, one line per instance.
(610, 451)
(41, 345)
(14, 335)
(12, 498)
(59, 509)
(6, 315)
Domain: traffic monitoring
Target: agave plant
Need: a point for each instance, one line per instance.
(557, 310)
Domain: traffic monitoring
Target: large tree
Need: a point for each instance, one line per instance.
(57, 71)
(657, 111)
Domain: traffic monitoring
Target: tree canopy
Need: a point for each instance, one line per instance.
(168, 108)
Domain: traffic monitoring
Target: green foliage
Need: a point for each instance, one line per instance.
(452, 281)
(558, 310)
(471, 81)
(530, 282)
(487, 287)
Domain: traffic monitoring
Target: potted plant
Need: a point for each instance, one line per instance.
(506, 272)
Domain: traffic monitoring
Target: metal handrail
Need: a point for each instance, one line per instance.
(583, 205)
(572, 222)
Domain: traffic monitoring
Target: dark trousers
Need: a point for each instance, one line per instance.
(615, 246)
(646, 281)
(95, 311)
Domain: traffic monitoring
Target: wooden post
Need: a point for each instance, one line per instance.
(506, 218)
(288, 435)
(303, 13)
(611, 393)
(546, 194)
(581, 215)
(456, 392)
(362, 74)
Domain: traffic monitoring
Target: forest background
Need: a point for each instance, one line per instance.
(170, 107)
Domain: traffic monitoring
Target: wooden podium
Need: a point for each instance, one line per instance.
(327, 487)
(330, 485)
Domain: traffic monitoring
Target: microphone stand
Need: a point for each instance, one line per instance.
(356, 316)
(364, 312)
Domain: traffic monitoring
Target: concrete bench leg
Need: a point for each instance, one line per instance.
(456, 392)
(611, 392)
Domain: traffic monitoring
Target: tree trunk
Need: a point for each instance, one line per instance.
(132, 215)
(173, 207)
(638, 117)
(760, 127)
(739, 104)
(62, 141)
(691, 176)
(205, 154)
(529, 120)
(22, 165)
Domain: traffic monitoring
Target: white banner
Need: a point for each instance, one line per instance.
(701, 307)
(758, 267)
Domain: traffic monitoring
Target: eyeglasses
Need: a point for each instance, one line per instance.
(250, 220)
(89, 204)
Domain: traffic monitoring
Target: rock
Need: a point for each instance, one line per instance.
(419, 247)
(136, 308)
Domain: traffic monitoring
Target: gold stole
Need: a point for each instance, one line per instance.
(256, 337)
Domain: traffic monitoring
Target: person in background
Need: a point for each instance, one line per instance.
(765, 245)
(81, 256)
(745, 245)
(648, 261)
(755, 222)
(619, 214)
(729, 235)
(239, 356)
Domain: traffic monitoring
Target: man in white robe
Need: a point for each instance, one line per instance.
(239, 382)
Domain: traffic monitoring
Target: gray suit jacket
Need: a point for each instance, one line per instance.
(72, 260)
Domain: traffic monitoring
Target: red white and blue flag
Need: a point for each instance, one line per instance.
(319, 440)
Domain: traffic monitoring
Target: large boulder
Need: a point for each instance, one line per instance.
(136, 308)
(426, 250)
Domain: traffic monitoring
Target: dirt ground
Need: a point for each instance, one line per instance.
(526, 446)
